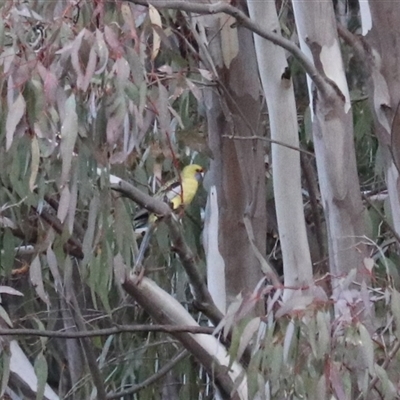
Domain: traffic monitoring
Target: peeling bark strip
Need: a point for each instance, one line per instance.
(333, 138)
(237, 166)
(381, 30)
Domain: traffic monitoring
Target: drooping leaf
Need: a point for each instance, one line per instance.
(69, 134)
(35, 158)
(14, 116)
(63, 206)
(367, 347)
(4, 315)
(11, 291)
(88, 239)
(155, 19)
(35, 275)
(41, 371)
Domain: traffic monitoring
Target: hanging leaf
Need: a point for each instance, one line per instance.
(63, 206)
(41, 371)
(75, 59)
(69, 134)
(395, 138)
(53, 266)
(113, 41)
(4, 316)
(10, 290)
(90, 231)
(102, 52)
(155, 19)
(35, 158)
(14, 116)
(247, 334)
(35, 275)
(367, 347)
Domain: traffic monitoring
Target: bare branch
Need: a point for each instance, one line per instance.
(267, 269)
(223, 7)
(73, 245)
(150, 203)
(107, 332)
(152, 379)
(87, 347)
(204, 301)
(202, 296)
(163, 308)
(255, 137)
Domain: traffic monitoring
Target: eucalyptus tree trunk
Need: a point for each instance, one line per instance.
(381, 29)
(237, 169)
(278, 90)
(333, 138)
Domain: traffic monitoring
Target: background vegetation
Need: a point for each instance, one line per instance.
(92, 90)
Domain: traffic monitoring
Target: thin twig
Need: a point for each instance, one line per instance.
(382, 217)
(255, 137)
(73, 245)
(384, 365)
(201, 294)
(152, 379)
(223, 7)
(266, 267)
(87, 347)
(107, 332)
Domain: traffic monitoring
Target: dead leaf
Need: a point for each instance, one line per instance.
(155, 19)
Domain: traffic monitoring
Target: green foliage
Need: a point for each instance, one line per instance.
(109, 86)
(85, 86)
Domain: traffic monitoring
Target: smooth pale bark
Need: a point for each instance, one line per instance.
(215, 261)
(278, 90)
(237, 168)
(333, 138)
(23, 375)
(164, 309)
(381, 27)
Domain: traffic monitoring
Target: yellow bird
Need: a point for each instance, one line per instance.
(177, 193)
(181, 191)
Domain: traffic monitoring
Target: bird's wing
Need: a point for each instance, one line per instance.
(176, 192)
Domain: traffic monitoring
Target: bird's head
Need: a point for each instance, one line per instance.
(193, 171)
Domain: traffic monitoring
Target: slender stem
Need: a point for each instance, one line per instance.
(152, 379)
(107, 332)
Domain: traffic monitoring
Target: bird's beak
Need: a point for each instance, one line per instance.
(200, 176)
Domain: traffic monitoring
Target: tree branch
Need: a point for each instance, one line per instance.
(107, 332)
(87, 347)
(223, 7)
(204, 301)
(266, 139)
(164, 309)
(144, 200)
(152, 379)
(200, 292)
(73, 245)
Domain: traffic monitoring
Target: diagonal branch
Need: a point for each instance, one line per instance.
(107, 331)
(152, 379)
(201, 294)
(223, 7)
(164, 309)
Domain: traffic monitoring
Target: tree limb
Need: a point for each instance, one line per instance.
(108, 331)
(223, 7)
(201, 294)
(164, 309)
